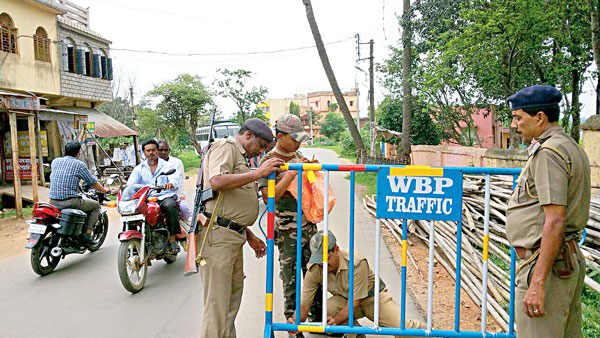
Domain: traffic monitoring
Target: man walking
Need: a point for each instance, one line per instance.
(226, 171)
(545, 215)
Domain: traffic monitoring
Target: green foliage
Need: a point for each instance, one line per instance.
(184, 104)
(323, 141)
(333, 125)
(590, 302)
(119, 109)
(232, 84)
(8, 213)
(347, 142)
(424, 130)
(189, 158)
(294, 109)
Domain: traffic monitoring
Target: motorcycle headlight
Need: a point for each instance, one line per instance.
(127, 207)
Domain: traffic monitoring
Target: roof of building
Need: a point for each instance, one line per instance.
(106, 126)
(60, 9)
(82, 29)
(592, 123)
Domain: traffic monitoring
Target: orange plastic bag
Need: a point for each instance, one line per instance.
(313, 193)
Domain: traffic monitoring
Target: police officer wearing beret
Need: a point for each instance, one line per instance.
(545, 215)
(226, 171)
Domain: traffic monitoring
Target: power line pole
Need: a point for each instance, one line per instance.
(371, 89)
(135, 125)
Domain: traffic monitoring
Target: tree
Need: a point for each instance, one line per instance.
(332, 126)
(406, 82)
(424, 130)
(184, 103)
(330, 76)
(232, 84)
(294, 109)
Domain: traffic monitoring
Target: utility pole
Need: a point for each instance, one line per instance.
(371, 89)
(136, 146)
(310, 114)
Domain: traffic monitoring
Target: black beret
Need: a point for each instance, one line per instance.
(535, 96)
(259, 128)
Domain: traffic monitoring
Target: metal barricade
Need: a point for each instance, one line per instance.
(439, 174)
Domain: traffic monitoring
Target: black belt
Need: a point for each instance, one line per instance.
(227, 223)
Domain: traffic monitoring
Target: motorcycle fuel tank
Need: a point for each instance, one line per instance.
(152, 213)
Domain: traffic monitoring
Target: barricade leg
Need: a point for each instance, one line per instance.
(270, 256)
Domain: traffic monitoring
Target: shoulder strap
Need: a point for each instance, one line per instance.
(562, 155)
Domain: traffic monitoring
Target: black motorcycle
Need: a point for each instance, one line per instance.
(55, 233)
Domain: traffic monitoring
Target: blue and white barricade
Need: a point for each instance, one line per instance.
(407, 193)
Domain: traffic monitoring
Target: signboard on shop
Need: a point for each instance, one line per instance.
(24, 166)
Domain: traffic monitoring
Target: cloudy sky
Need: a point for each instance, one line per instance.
(155, 40)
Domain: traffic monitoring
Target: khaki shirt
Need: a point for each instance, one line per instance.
(227, 156)
(286, 205)
(337, 282)
(548, 178)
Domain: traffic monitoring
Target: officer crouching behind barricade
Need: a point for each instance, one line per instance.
(546, 213)
(225, 170)
(338, 286)
(290, 134)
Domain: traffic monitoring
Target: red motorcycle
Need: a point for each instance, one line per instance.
(145, 234)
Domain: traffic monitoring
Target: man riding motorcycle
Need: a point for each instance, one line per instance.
(66, 173)
(145, 173)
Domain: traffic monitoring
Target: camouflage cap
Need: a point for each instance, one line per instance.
(292, 125)
(316, 246)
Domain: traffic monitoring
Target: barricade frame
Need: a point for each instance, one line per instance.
(271, 327)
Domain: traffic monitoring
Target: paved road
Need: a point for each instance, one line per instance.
(84, 296)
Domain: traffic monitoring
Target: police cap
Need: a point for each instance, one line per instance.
(259, 128)
(537, 96)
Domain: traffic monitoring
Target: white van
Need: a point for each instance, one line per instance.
(221, 130)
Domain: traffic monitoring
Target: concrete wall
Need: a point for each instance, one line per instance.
(81, 86)
(591, 145)
(452, 156)
(21, 71)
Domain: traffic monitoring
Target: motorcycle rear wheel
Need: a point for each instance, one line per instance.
(99, 233)
(131, 270)
(42, 262)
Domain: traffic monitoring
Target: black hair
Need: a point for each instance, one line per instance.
(147, 142)
(72, 149)
(162, 141)
(244, 129)
(277, 131)
(552, 112)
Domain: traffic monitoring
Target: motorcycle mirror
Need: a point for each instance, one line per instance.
(110, 181)
(168, 172)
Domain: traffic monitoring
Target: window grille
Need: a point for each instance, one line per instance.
(8, 34)
(41, 45)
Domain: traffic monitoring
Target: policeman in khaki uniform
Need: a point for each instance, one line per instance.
(338, 286)
(290, 134)
(225, 170)
(546, 213)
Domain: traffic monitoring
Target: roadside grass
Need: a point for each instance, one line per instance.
(337, 148)
(191, 161)
(7, 213)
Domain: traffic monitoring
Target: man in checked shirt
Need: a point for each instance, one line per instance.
(64, 181)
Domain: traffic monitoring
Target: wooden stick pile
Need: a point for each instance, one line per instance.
(472, 242)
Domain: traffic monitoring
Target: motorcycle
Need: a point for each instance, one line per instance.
(145, 235)
(56, 233)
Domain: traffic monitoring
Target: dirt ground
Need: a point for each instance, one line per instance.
(13, 237)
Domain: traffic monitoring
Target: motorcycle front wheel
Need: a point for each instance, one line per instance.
(42, 262)
(100, 231)
(132, 271)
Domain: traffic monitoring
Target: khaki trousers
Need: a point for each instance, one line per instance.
(389, 312)
(563, 305)
(222, 281)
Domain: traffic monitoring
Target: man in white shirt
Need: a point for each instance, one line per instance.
(164, 152)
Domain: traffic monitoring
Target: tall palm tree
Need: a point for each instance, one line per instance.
(406, 88)
(331, 77)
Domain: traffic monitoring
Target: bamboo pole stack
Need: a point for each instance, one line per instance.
(472, 242)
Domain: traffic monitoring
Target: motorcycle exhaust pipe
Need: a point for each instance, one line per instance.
(56, 251)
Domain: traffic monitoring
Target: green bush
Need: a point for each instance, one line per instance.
(347, 142)
(323, 141)
(189, 158)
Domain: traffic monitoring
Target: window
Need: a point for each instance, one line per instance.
(8, 33)
(351, 102)
(41, 45)
(69, 55)
(87, 61)
(103, 64)
(317, 104)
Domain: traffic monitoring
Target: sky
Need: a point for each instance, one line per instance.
(271, 38)
(242, 27)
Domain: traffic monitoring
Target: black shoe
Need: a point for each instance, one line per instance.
(88, 240)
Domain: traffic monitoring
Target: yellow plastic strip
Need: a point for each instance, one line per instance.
(417, 170)
(325, 248)
(269, 302)
(404, 251)
(271, 188)
(310, 328)
(311, 166)
(311, 176)
(486, 240)
(285, 166)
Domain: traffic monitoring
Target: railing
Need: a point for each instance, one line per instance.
(451, 211)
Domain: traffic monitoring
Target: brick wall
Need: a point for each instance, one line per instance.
(451, 156)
